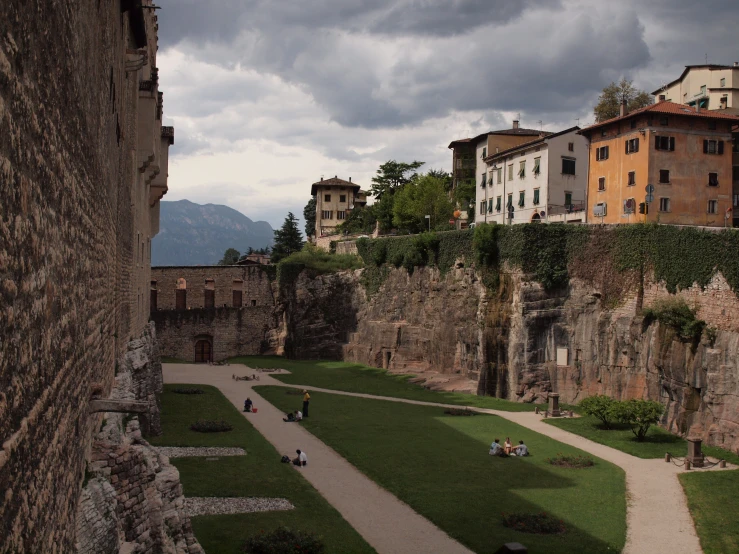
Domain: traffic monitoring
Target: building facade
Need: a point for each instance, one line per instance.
(684, 153)
(335, 199)
(541, 180)
(709, 86)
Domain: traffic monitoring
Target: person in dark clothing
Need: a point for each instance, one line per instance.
(247, 405)
(306, 401)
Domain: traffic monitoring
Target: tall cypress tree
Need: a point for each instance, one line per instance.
(287, 239)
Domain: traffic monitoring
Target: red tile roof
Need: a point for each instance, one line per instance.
(669, 108)
(333, 182)
(520, 132)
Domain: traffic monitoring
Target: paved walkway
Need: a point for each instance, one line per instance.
(657, 517)
(387, 524)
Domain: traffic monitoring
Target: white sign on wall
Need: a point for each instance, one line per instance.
(562, 357)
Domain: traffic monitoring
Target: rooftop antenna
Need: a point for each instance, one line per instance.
(706, 58)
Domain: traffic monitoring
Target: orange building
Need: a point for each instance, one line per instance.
(684, 153)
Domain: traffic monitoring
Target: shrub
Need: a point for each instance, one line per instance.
(570, 461)
(599, 406)
(208, 426)
(319, 261)
(639, 415)
(459, 412)
(676, 314)
(539, 524)
(188, 390)
(284, 541)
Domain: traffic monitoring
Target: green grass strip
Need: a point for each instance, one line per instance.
(439, 465)
(713, 500)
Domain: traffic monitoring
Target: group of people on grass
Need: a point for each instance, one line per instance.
(508, 449)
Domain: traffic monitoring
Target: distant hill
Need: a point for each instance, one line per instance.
(191, 234)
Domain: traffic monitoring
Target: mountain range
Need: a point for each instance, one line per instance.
(193, 234)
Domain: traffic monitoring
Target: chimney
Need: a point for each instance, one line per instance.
(336, 176)
(736, 64)
(321, 177)
(622, 110)
(350, 179)
(697, 107)
(662, 97)
(515, 123)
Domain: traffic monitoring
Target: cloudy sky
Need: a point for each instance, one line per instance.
(267, 96)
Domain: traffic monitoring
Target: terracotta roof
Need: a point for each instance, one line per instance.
(333, 182)
(520, 132)
(668, 108)
(687, 70)
(529, 144)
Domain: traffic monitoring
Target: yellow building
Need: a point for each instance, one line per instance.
(335, 198)
(683, 152)
(708, 86)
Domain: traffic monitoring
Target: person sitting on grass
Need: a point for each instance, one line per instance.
(497, 450)
(521, 449)
(507, 446)
(247, 405)
(297, 415)
(301, 460)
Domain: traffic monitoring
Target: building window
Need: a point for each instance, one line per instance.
(327, 198)
(521, 199)
(632, 146)
(521, 170)
(664, 204)
(326, 214)
(482, 207)
(490, 179)
(712, 206)
(601, 183)
(632, 178)
(571, 146)
(238, 292)
(342, 198)
(340, 215)
(510, 172)
(601, 153)
(664, 175)
(537, 166)
(497, 203)
(713, 179)
(500, 175)
(536, 197)
(490, 206)
(568, 200)
(711, 124)
(736, 202)
(210, 294)
(253, 303)
(664, 143)
(568, 166)
(181, 294)
(723, 81)
(483, 180)
(713, 146)
(509, 204)
(703, 90)
(484, 152)
(663, 120)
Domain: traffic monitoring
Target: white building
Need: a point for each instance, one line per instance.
(542, 180)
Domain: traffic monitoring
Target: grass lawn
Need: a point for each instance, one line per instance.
(350, 377)
(259, 473)
(657, 442)
(713, 500)
(439, 465)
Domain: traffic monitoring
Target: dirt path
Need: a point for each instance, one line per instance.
(387, 524)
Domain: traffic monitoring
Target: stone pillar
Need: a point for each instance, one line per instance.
(554, 404)
(695, 456)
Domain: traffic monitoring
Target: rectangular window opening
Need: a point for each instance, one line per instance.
(664, 175)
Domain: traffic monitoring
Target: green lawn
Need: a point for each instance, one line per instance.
(440, 466)
(713, 499)
(350, 377)
(259, 473)
(657, 443)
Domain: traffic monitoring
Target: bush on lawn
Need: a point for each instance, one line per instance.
(600, 406)
(459, 412)
(570, 461)
(188, 390)
(539, 524)
(208, 426)
(284, 541)
(640, 415)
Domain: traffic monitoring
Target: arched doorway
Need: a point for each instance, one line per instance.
(203, 350)
(536, 218)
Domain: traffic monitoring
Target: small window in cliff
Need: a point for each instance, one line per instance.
(253, 303)
(210, 293)
(181, 294)
(238, 288)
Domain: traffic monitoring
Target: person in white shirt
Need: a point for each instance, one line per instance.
(298, 415)
(301, 460)
(521, 449)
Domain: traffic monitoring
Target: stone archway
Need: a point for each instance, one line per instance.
(536, 218)
(203, 350)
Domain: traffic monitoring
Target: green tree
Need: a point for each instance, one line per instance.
(359, 220)
(287, 239)
(230, 257)
(640, 415)
(309, 214)
(600, 406)
(464, 196)
(609, 102)
(392, 176)
(424, 196)
(443, 176)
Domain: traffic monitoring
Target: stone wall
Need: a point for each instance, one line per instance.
(75, 218)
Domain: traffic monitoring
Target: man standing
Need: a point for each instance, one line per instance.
(306, 401)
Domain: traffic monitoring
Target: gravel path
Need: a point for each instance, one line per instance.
(216, 506)
(199, 452)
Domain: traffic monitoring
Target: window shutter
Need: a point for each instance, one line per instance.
(705, 147)
(656, 143)
(607, 148)
(627, 146)
(597, 156)
(721, 147)
(636, 145)
(672, 144)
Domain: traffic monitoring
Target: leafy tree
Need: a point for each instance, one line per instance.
(609, 102)
(599, 406)
(392, 176)
(424, 196)
(359, 220)
(309, 214)
(264, 250)
(287, 239)
(230, 257)
(640, 415)
(443, 176)
(465, 196)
